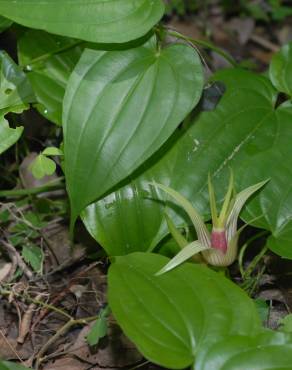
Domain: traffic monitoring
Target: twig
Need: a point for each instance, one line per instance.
(6, 292)
(13, 253)
(26, 321)
(63, 330)
(264, 43)
(11, 347)
(60, 296)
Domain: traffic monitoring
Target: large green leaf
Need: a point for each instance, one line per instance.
(8, 136)
(241, 126)
(174, 316)
(268, 350)
(7, 365)
(92, 20)
(48, 68)
(281, 69)
(4, 23)
(274, 203)
(15, 89)
(119, 108)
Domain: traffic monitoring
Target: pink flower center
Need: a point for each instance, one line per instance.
(218, 240)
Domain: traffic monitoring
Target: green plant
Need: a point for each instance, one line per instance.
(125, 99)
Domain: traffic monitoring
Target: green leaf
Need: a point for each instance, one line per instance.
(174, 316)
(132, 218)
(49, 60)
(138, 97)
(281, 69)
(286, 323)
(15, 89)
(8, 136)
(4, 23)
(99, 329)
(53, 151)
(268, 350)
(274, 203)
(42, 166)
(33, 255)
(7, 365)
(104, 21)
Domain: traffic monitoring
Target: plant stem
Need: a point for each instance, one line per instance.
(204, 44)
(31, 191)
(243, 249)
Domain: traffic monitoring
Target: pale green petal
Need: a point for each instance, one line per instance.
(227, 200)
(186, 253)
(239, 202)
(201, 229)
(176, 234)
(212, 200)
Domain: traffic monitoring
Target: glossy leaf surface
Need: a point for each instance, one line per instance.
(172, 317)
(119, 108)
(49, 61)
(274, 204)
(214, 142)
(15, 89)
(107, 21)
(281, 69)
(268, 350)
(4, 23)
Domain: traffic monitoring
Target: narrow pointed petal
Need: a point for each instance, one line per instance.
(227, 200)
(201, 229)
(212, 200)
(176, 234)
(239, 202)
(186, 253)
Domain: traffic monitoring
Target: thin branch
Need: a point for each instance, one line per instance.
(15, 256)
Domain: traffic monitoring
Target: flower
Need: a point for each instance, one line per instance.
(218, 248)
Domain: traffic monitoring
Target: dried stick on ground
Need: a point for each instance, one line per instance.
(26, 321)
(15, 256)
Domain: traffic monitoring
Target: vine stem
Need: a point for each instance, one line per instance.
(204, 44)
(31, 191)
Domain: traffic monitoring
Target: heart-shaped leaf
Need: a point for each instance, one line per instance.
(108, 21)
(8, 136)
(119, 108)
(48, 68)
(281, 69)
(268, 350)
(15, 89)
(172, 317)
(42, 166)
(214, 142)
